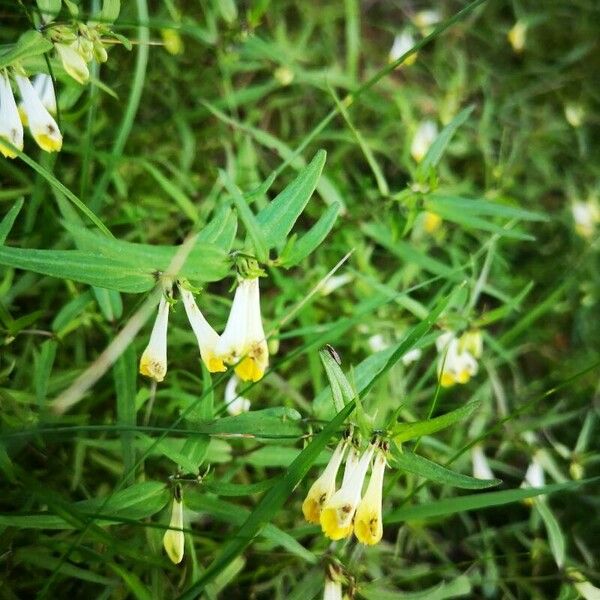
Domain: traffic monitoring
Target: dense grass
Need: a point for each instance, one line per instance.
(86, 492)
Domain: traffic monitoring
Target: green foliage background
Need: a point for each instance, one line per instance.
(85, 494)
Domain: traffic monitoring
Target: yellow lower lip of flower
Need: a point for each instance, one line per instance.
(151, 368)
(432, 222)
(330, 524)
(23, 116)
(47, 142)
(6, 151)
(368, 529)
(311, 509)
(447, 379)
(248, 370)
(216, 365)
(463, 377)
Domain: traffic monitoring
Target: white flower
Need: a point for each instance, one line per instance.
(11, 128)
(403, 42)
(368, 523)
(411, 356)
(456, 364)
(574, 114)
(73, 61)
(44, 86)
(333, 589)
(153, 363)
(41, 124)
(334, 282)
(426, 19)
(534, 477)
(586, 216)
(422, 140)
(174, 539)
(517, 36)
(481, 467)
(234, 403)
(377, 343)
(206, 336)
(337, 514)
(324, 487)
(243, 342)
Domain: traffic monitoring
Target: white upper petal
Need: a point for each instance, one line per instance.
(10, 123)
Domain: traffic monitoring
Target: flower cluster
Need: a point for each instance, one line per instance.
(242, 344)
(346, 510)
(458, 356)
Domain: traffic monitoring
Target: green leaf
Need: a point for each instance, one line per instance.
(450, 506)
(555, 534)
(8, 221)
(49, 9)
(31, 43)
(413, 463)
(110, 303)
(275, 422)
(124, 373)
(341, 390)
(279, 216)
(402, 432)
(461, 586)
(436, 150)
(307, 244)
(110, 11)
(252, 227)
(224, 488)
(221, 230)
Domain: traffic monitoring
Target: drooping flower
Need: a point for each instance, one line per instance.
(457, 362)
(368, 523)
(517, 36)
(333, 589)
(586, 216)
(44, 86)
(481, 467)
(235, 403)
(153, 363)
(403, 42)
(324, 487)
(206, 336)
(425, 135)
(243, 342)
(574, 114)
(42, 125)
(74, 61)
(11, 128)
(534, 476)
(337, 514)
(174, 539)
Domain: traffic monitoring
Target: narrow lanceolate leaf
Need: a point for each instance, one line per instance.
(436, 151)
(269, 505)
(31, 43)
(220, 230)
(413, 463)
(9, 220)
(278, 218)
(556, 537)
(402, 432)
(457, 588)
(341, 390)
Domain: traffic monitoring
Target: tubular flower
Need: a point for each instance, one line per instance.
(243, 341)
(368, 523)
(11, 128)
(73, 61)
(422, 140)
(44, 87)
(403, 42)
(234, 403)
(41, 124)
(324, 487)
(337, 513)
(153, 363)
(534, 478)
(456, 364)
(207, 337)
(481, 467)
(173, 540)
(333, 589)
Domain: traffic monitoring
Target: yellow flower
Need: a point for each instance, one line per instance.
(403, 42)
(41, 124)
(324, 487)
(455, 363)
(74, 61)
(174, 539)
(337, 514)
(172, 41)
(243, 342)
(517, 36)
(153, 363)
(11, 128)
(368, 523)
(206, 336)
(431, 222)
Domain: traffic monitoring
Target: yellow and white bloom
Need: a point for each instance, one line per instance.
(457, 361)
(333, 589)
(337, 514)
(11, 128)
(481, 467)
(517, 36)
(422, 140)
(206, 336)
(574, 114)
(153, 363)
(174, 539)
(586, 216)
(243, 342)
(403, 42)
(41, 123)
(44, 86)
(74, 61)
(368, 523)
(324, 487)
(235, 404)
(426, 19)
